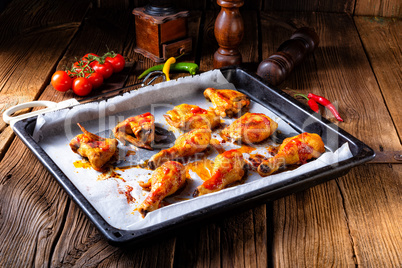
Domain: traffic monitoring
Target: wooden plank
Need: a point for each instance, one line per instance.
(338, 70)
(381, 8)
(88, 248)
(24, 32)
(244, 239)
(199, 247)
(20, 18)
(32, 207)
(345, 6)
(310, 229)
(352, 221)
(179, 4)
(371, 196)
(382, 41)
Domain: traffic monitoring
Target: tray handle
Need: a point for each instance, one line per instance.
(50, 106)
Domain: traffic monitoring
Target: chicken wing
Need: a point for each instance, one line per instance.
(187, 117)
(294, 150)
(250, 128)
(228, 168)
(227, 102)
(187, 144)
(138, 130)
(96, 149)
(165, 180)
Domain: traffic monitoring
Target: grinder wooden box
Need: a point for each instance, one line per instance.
(161, 37)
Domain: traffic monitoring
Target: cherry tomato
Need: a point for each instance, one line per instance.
(82, 86)
(105, 69)
(117, 62)
(95, 79)
(61, 81)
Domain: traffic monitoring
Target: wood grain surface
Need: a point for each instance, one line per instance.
(385, 58)
(354, 220)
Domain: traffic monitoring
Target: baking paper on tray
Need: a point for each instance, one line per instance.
(108, 192)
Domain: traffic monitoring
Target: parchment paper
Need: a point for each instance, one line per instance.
(106, 192)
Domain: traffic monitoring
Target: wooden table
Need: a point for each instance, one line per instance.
(350, 221)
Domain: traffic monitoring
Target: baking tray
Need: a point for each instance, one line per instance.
(290, 110)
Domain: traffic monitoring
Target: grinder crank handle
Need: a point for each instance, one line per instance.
(290, 53)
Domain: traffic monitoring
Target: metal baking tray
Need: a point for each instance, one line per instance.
(289, 109)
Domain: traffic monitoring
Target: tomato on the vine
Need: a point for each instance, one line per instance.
(61, 81)
(79, 66)
(95, 79)
(89, 57)
(82, 86)
(117, 62)
(71, 74)
(105, 69)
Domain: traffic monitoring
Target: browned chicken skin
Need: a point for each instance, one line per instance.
(229, 167)
(227, 102)
(250, 128)
(187, 117)
(187, 144)
(96, 149)
(138, 130)
(293, 150)
(165, 180)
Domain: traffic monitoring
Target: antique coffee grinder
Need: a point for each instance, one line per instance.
(161, 31)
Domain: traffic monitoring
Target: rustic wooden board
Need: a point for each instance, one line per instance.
(353, 221)
(345, 6)
(310, 229)
(23, 71)
(32, 207)
(372, 202)
(381, 8)
(385, 58)
(179, 4)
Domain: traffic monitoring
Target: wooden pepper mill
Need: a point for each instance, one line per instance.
(229, 30)
(289, 54)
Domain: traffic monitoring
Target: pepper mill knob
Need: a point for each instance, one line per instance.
(290, 53)
(229, 30)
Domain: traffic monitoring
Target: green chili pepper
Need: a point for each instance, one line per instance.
(190, 67)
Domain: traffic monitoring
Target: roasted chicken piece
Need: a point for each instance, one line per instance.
(187, 144)
(228, 168)
(227, 102)
(165, 180)
(187, 117)
(293, 150)
(138, 130)
(250, 128)
(96, 149)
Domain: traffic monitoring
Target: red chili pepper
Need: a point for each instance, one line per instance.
(325, 102)
(312, 103)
